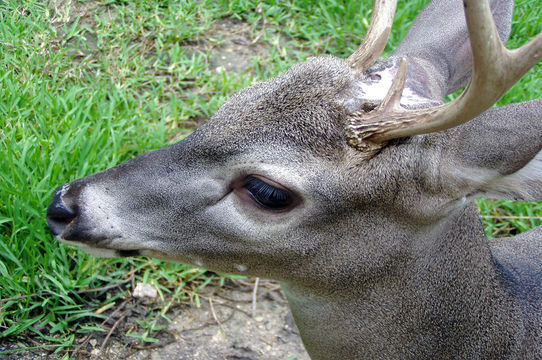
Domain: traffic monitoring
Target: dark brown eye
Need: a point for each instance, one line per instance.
(268, 196)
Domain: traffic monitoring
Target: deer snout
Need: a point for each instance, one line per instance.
(59, 215)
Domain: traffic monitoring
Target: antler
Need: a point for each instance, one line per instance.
(377, 36)
(495, 70)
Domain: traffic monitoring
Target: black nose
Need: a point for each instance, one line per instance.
(58, 214)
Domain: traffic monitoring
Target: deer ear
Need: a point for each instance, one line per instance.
(437, 46)
(498, 154)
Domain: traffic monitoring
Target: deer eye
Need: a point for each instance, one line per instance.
(268, 196)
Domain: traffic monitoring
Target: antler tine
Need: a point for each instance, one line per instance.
(495, 70)
(377, 36)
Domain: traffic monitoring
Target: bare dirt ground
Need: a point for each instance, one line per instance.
(229, 324)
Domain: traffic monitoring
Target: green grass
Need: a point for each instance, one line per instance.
(86, 85)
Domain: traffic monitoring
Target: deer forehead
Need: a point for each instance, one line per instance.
(301, 109)
(306, 107)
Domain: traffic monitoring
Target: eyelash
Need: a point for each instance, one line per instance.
(268, 196)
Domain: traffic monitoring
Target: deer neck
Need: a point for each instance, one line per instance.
(449, 283)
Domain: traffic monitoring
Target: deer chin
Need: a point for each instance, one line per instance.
(105, 248)
(95, 251)
(123, 247)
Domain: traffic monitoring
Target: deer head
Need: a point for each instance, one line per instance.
(351, 183)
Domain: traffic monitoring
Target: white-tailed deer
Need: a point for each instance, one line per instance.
(353, 185)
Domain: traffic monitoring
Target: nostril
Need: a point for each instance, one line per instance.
(58, 214)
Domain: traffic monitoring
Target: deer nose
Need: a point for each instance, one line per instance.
(59, 215)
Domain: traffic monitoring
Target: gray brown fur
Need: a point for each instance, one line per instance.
(385, 257)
